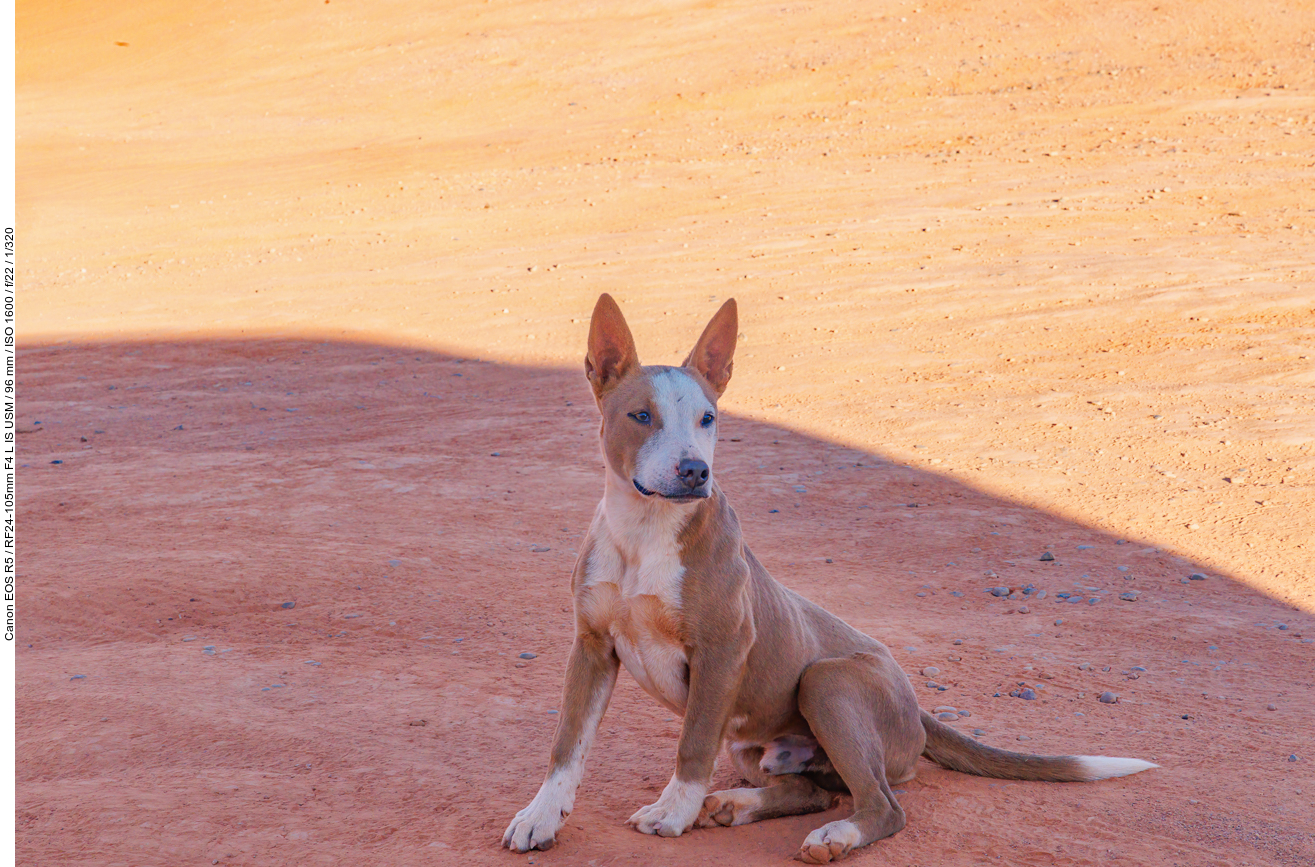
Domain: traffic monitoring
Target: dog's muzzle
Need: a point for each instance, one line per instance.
(686, 491)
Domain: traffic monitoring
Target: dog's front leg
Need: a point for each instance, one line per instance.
(590, 677)
(714, 678)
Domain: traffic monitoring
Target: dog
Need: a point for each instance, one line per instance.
(666, 586)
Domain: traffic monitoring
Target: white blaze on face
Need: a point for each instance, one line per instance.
(679, 405)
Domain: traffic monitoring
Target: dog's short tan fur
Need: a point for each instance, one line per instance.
(666, 586)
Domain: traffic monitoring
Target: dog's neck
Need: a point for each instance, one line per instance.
(641, 527)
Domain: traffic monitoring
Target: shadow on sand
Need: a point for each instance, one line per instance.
(273, 597)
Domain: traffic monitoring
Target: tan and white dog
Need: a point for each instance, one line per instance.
(666, 586)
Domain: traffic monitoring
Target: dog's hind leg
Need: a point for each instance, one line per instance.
(790, 795)
(862, 719)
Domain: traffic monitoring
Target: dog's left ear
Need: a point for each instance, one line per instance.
(711, 356)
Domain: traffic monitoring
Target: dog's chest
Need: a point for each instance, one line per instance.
(632, 591)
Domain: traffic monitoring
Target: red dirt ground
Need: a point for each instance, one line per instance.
(304, 292)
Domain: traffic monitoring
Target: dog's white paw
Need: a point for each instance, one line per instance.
(831, 842)
(674, 812)
(730, 807)
(536, 826)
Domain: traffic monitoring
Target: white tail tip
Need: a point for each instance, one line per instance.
(1104, 767)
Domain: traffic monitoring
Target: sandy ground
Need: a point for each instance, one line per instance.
(303, 297)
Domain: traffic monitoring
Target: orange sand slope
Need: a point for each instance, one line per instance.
(1042, 270)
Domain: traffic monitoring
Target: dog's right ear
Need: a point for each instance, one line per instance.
(611, 347)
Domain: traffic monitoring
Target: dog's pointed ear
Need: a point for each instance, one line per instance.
(712, 355)
(611, 347)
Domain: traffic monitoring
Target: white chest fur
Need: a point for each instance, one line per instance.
(633, 590)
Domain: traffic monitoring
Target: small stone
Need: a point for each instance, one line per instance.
(1271, 706)
(958, 641)
(1046, 557)
(1138, 668)
(528, 655)
(1130, 595)
(1040, 594)
(956, 593)
(920, 594)
(1024, 738)
(539, 549)
(1059, 622)
(1196, 576)
(1074, 600)
(829, 560)
(1108, 698)
(979, 732)
(78, 677)
(947, 717)
(1023, 609)
(288, 605)
(1085, 547)
(418, 722)
(1026, 694)
(931, 684)
(1093, 600)
(930, 671)
(945, 708)
(999, 591)
(1084, 666)
(1293, 758)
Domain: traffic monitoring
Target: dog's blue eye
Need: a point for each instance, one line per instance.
(708, 418)
(641, 417)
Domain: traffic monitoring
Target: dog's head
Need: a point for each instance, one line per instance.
(659, 423)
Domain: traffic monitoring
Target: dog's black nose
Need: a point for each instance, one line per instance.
(693, 473)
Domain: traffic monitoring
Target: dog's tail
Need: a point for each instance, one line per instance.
(958, 752)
